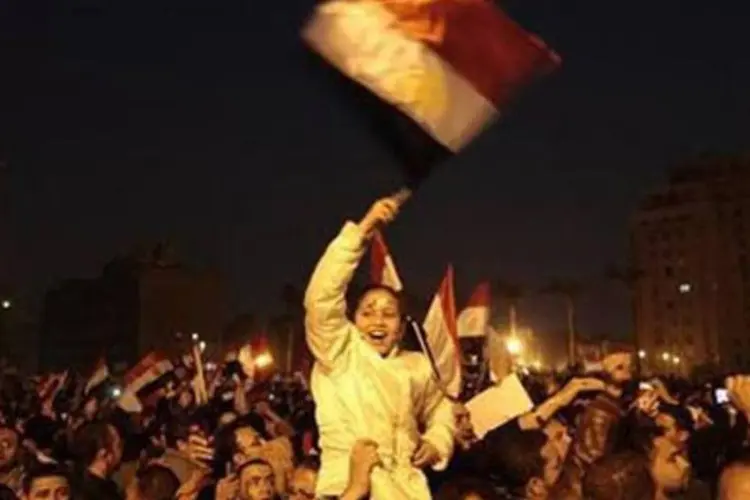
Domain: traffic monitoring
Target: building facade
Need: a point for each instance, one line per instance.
(690, 243)
(139, 303)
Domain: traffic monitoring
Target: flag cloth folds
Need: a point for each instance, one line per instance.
(444, 69)
(441, 335)
(382, 269)
(474, 319)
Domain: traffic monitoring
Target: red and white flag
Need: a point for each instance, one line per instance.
(475, 318)
(50, 385)
(99, 375)
(448, 67)
(442, 336)
(146, 371)
(382, 269)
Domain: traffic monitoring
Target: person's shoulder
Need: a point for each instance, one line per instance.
(417, 362)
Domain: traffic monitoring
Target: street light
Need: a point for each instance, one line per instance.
(263, 360)
(514, 346)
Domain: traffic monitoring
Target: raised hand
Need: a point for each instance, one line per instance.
(382, 212)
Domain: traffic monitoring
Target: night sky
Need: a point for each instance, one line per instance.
(130, 121)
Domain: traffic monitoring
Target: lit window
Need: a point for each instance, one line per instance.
(685, 288)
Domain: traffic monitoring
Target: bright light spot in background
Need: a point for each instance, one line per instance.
(685, 288)
(642, 354)
(202, 345)
(195, 336)
(676, 360)
(210, 366)
(665, 356)
(263, 360)
(514, 346)
(116, 392)
(6, 304)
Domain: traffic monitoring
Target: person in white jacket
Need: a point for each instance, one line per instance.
(364, 386)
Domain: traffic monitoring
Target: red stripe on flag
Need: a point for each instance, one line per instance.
(485, 46)
(378, 253)
(382, 269)
(448, 303)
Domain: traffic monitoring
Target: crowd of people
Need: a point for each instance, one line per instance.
(371, 421)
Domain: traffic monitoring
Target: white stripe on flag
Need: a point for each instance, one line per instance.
(361, 40)
(439, 326)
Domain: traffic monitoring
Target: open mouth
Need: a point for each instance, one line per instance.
(377, 336)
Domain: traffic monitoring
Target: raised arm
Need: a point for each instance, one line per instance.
(327, 327)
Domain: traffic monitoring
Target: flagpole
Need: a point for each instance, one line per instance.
(431, 357)
(402, 195)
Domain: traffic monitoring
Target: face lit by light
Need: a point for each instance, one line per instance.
(49, 488)
(619, 366)
(378, 317)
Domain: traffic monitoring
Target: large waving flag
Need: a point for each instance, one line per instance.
(442, 337)
(382, 269)
(444, 69)
(475, 318)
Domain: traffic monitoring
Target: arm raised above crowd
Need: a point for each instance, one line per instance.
(328, 329)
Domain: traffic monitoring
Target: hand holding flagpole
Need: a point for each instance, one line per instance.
(383, 212)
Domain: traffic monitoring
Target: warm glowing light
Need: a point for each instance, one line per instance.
(666, 356)
(263, 360)
(195, 336)
(514, 346)
(202, 345)
(6, 304)
(537, 365)
(642, 354)
(676, 360)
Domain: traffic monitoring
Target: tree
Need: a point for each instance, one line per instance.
(569, 290)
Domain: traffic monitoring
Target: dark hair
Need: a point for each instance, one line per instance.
(620, 476)
(157, 482)
(6, 493)
(511, 456)
(398, 296)
(250, 463)
(461, 488)
(40, 471)
(92, 437)
(310, 462)
(177, 429)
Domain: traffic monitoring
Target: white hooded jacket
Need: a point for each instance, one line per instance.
(361, 395)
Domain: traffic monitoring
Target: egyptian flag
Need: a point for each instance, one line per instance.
(98, 377)
(442, 338)
(431, 74)
(141, 378)
(474, 319)
(382, 269)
